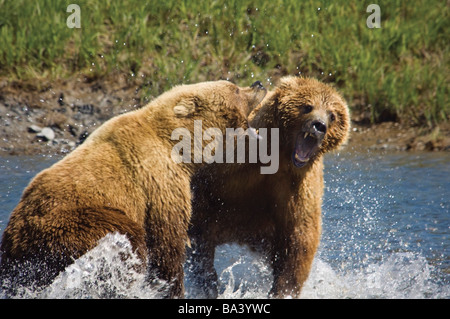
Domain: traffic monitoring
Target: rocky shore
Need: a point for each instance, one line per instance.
(54, 118)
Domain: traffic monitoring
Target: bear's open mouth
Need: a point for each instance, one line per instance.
(305, 147)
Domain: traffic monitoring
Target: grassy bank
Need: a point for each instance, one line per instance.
(399, 71)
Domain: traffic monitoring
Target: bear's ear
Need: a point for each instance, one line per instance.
(184, 108)
(288, 82)
(292, 82)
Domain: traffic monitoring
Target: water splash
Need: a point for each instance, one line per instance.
(107, 271)
(248, 276)
(399, 276)
(244, 274)
(110, 270)
(103, 272)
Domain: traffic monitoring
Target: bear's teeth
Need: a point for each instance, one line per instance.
(306, 135)
(299, 159)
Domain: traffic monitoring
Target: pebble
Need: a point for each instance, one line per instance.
(47, 133)
(34, 129)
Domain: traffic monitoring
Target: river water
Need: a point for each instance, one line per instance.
(386, 226)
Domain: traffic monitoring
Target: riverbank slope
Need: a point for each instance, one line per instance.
(54, 117)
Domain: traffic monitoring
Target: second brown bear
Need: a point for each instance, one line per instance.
(277, 214)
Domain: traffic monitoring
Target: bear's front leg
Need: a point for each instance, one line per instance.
(166, 226)
(166, 249)
(292, 257)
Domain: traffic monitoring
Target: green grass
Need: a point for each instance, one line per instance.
(398, 71)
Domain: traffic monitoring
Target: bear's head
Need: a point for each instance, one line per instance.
(218, 102)
(312, 117)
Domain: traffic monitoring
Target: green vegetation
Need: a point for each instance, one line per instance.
(398, 71)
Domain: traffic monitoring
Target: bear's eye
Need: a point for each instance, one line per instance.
(307, 108)
(332, 117)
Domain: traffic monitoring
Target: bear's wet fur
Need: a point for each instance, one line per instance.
(277, 214)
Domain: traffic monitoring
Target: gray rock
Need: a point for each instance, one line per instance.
(47, 134)
(34, 129)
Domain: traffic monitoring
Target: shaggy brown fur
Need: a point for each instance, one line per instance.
(121, 179)
(277, 214)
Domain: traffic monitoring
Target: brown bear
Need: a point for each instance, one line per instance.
(277, 213)
(124, 178)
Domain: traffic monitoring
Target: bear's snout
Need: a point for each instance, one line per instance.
(316, 127)
(258, 85)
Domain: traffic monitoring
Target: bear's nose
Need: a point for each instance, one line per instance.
(319, 127)
(257, 85)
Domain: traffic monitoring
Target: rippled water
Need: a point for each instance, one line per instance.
(385, 235)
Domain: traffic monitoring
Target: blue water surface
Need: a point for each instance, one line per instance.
(386, 226)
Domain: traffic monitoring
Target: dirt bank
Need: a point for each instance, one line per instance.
(54, 117)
